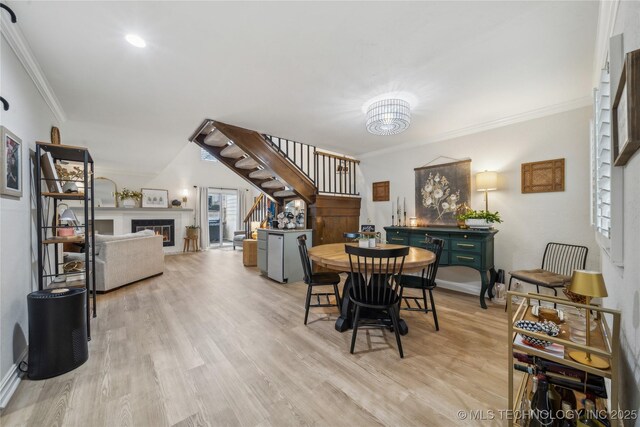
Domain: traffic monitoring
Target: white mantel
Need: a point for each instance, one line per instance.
(122, 218)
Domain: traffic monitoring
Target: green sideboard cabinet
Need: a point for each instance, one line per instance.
(469, 248)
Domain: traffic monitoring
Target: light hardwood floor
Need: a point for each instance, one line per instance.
(212, 343)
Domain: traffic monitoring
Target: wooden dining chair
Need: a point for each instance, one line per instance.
(425, 282)
(375, 284)
(317, 279)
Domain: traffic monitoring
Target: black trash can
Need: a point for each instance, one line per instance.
(57, 331)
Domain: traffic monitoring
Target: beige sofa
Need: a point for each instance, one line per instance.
(127, 258)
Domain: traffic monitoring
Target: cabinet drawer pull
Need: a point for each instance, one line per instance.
(464, 257)
(466, 245)
(397, 239)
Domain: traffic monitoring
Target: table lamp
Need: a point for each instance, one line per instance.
(487, 181)
(589, 284)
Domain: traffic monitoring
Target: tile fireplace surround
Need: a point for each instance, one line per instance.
(119, 221)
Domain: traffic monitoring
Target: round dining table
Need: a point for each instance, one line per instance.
(334, 257)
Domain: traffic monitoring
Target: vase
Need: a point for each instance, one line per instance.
(372, 242)
(129, 203)
(363, 243)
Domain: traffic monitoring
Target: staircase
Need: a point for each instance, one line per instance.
(280, 168)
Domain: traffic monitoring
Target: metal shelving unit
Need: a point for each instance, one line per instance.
(47, 233)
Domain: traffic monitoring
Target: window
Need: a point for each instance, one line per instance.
(601, 157)
(205, 155)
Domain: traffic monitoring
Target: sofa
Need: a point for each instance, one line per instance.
(127, 258)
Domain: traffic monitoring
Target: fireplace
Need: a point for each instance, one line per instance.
(162, 227)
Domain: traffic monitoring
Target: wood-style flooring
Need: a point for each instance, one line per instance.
(211, 342)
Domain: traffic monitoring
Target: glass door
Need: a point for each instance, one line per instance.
(223, 216)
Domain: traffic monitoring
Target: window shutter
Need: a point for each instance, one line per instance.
(602, 156)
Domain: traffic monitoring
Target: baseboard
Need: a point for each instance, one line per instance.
(10, 381)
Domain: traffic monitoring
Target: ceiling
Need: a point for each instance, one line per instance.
(302, 70)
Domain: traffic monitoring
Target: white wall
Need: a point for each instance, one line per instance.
(529, 220)
(183, 172)
(30, 119)
(623, 284)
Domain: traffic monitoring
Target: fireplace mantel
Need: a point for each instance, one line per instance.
(119, 220)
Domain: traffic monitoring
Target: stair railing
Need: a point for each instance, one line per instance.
(336, 174)
(257, 213)
(300, 154)
(330, 173)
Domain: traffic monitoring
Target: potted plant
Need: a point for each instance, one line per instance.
(129, 197)
(479, 219)
(363, 241)
(192, 231)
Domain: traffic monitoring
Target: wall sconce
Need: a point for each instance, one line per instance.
(185, 193)
(487, 181)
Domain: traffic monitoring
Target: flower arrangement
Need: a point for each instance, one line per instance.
(437, 194)
(486, 215)
(129, 194)
(193, 227)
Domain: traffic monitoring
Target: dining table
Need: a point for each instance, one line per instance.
(334, 257)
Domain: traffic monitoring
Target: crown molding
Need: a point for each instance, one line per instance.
(18, 43)
(606, 24)
(481, 127)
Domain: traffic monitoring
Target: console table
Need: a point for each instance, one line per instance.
(469, 248)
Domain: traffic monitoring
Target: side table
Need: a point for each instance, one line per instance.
(250, 252)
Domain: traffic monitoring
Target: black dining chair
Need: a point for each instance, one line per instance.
(317, 279)
(558, 263)
(375, 284)
(425, 282)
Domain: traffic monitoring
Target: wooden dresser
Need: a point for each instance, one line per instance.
(469, 248)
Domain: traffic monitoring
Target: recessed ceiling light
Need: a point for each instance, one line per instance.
(135, 40)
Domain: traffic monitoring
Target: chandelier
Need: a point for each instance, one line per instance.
(388, 117)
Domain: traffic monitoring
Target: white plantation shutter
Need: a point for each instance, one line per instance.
(601, 156)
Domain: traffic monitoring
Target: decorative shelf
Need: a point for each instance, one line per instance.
(63, 196)
(53, 240)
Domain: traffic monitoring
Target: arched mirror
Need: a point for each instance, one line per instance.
(105, 193)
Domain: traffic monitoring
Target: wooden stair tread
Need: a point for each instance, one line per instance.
(216, 139)
(261, 174)
(232, 152)
(284, 193)
(246, 163)
(274, 183)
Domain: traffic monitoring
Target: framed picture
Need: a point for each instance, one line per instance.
(152, 198)
(625, 112)
(542, 177)
(380, 191)
(441, 190)
(10, 164)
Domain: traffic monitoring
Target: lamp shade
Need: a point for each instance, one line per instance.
(588, 283)
(487, 181)
(255, 225)
(68, 215)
